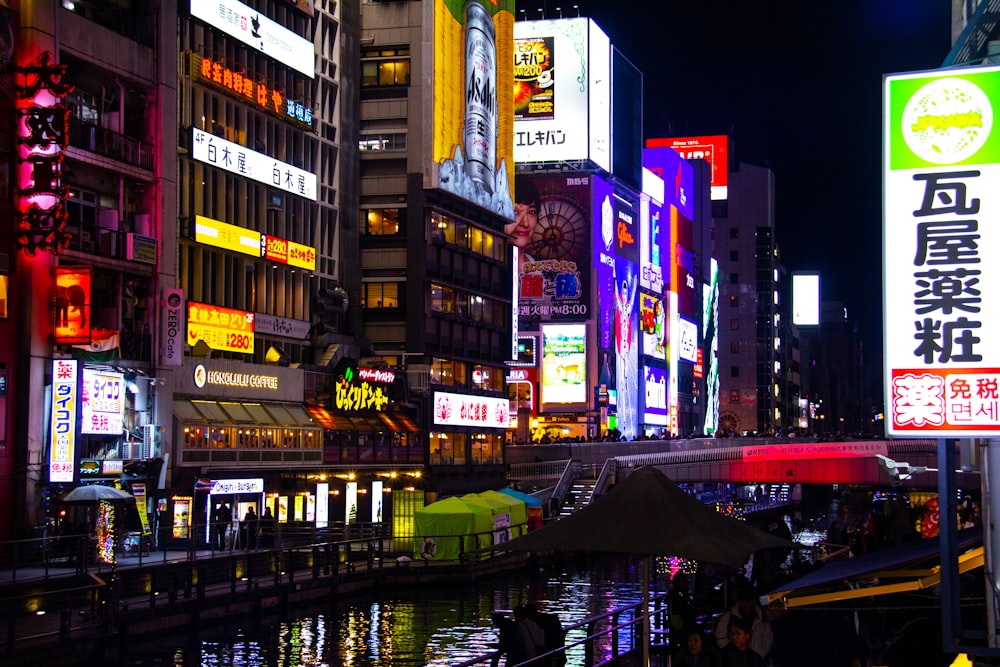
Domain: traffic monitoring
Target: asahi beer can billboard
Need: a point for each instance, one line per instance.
(473, 102)
(173, 329)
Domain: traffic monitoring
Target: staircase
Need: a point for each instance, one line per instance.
(578, 496)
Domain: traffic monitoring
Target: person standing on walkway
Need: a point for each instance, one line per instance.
(220, 522)
(737, 652)
(248, 529)
(509, 643)
(552, 630)
(750, 612)
(267, 529)
(532, 636)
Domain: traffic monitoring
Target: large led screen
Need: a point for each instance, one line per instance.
(551, 230)
(655, 387)
(564, 369)
(652, 242)
(653, 324)
(473, 102)
(617, 291)
(562, 92)
(805, 299)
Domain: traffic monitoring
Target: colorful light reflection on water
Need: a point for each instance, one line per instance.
(437, 626)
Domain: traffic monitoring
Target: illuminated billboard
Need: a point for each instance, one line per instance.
(467, 410)
(220, 328)
(941, 161)
(258, 32)
(242, 161)
(687, 343)
(805, 299)
(562, 92)
(652, 240)
(653, 325)
(102, 402)
(564, 358)
(473, 103)
(248, 242)
(72, 304)
(617, 291)
(551, 230)
(655, 388)
(712, 149)
(62, 423)
(677, 175)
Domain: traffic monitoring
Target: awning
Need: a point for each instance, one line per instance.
(234, 412)
(909, 567)
(382, 421)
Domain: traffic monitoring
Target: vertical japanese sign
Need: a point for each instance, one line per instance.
(941, 160)
(62, 423)
(43, 135)
(102, 402)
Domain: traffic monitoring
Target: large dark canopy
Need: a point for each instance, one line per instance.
(648, 514)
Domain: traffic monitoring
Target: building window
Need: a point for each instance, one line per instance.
(734, 371)
(445, 229)
(380, 295)
(734, 323)
(734, 395)
(734, 232)
(448, 372)
(395, 141)
(734, 279)
(734, 301)
(734, 348)
(734, 255)
(385, 67)
(381, 222)
(447, 448)
(487, 449)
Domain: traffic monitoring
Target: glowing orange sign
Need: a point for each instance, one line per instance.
(72, 305)
(236, 83)
(220, 328)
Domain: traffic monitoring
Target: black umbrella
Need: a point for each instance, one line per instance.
(647, 514)
(92, 493)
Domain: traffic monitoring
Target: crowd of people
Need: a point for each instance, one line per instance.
(251, 532)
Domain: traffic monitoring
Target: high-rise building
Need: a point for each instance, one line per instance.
(435, 187)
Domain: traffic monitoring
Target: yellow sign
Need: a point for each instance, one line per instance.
(228, 237)
(220, 328)
(364, 396)
(248, 242)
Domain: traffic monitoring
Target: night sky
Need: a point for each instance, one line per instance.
(798, 86)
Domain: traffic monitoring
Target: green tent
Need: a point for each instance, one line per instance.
(507, 513)
(450, 527)
(518, 510)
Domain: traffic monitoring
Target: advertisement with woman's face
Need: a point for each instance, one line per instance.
(551, 230)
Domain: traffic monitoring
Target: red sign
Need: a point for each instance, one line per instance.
(72, 305)
(377, 375)
(712, 149)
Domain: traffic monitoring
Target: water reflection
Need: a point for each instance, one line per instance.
(437, 626)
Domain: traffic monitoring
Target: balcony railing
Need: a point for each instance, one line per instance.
(107, 143)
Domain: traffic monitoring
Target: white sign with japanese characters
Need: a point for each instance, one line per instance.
(242, 161)
(941, 163)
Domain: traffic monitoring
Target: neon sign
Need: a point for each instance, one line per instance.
(220, 328)
(62, 425)
(43, 134)
(236, 83)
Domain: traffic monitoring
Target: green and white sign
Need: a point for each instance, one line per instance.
(941, 281)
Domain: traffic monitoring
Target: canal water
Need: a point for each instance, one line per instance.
(437, 626)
